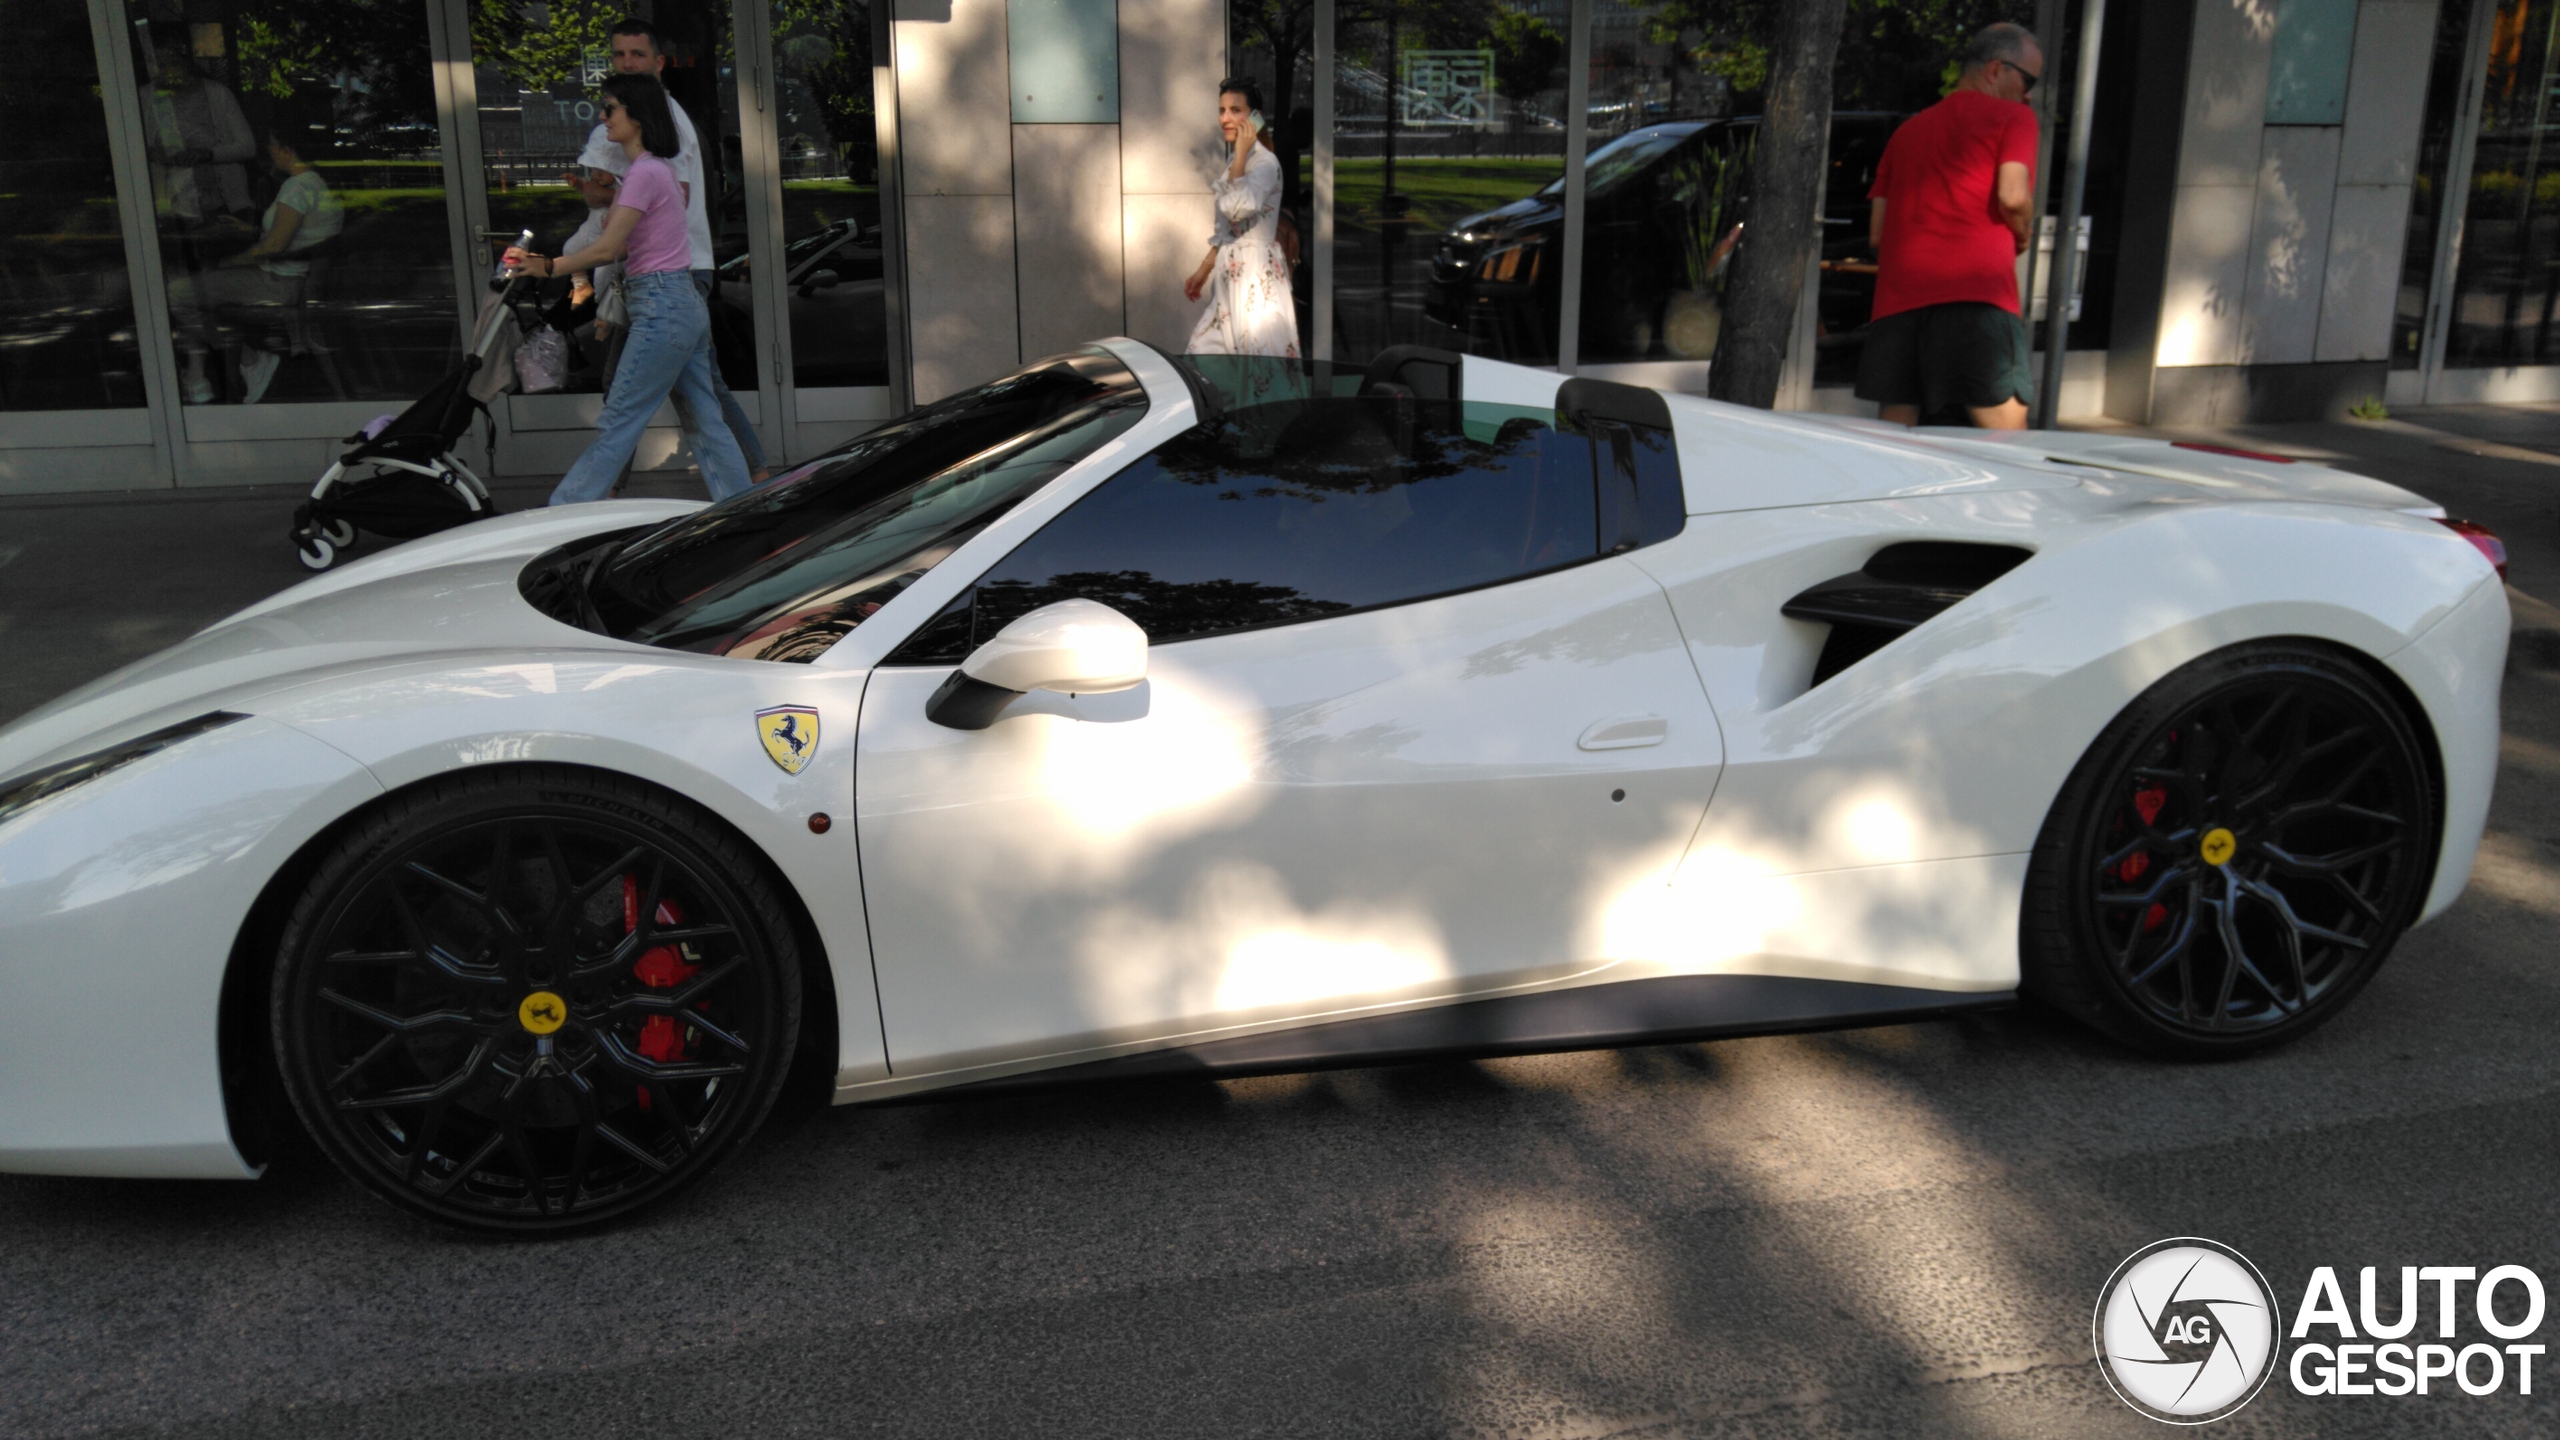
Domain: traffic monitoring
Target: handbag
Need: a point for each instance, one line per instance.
(612, 308)
(542, 362)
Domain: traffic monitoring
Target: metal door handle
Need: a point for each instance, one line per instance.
(1625, 732)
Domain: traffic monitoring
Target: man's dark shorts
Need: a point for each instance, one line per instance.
(1963, 353)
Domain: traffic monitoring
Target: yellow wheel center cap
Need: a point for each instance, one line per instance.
(2216, 849)
(542, 1012)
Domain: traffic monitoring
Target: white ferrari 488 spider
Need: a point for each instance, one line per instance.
(1139, 716)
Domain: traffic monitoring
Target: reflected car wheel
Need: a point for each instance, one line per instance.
(2236, 855)
(535, 998)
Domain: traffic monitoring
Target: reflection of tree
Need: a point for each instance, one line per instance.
(1528, 53)
(1165, 609)
(1341, 446)
(1894, 54)
(1286, 31)
(539, 46)
(354, 66)
(827, 44)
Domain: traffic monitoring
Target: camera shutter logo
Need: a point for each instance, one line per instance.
(2186, 1330)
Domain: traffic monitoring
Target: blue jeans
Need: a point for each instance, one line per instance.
(667, 356)
(730, 410)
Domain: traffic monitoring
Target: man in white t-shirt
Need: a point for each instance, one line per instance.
(637, 51)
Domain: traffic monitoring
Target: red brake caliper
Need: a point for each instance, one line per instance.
(663, 967)
(2147, 803)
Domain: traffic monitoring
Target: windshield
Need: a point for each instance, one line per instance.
(1614, 162)
(785, 570)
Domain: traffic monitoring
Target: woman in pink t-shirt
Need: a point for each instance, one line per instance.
(668, 353)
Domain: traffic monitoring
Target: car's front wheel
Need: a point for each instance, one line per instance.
(534, 998)
(2235, 855)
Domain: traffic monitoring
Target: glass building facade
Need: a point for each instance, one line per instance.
(233, 231)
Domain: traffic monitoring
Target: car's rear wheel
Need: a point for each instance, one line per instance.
(2235, 856)
(535, 998)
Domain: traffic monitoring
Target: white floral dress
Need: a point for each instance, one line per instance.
(1251, 310)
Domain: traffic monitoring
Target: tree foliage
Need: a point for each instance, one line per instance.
(359, 66)
(828, 45)
(1894, 54)
(1527, 52)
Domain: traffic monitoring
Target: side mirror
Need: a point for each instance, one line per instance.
(1077, 647)
(817, 280)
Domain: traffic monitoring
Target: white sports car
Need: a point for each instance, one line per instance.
(1129, 716)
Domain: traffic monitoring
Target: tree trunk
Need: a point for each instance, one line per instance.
(1784, 224)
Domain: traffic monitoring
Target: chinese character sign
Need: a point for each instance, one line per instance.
(1447, 87)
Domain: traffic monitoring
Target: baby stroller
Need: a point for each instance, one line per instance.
(401, 478)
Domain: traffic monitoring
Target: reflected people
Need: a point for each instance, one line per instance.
(263, 284)
(199, 141)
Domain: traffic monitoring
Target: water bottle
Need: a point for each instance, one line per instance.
(506, 271)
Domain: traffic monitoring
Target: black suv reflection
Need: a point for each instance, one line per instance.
(1495, 275)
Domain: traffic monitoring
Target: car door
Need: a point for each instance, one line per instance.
(1407, 735)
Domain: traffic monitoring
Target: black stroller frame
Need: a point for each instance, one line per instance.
(406, 480)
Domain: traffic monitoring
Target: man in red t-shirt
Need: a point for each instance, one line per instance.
(1948, 215)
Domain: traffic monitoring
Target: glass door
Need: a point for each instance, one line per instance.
(535, 69)
(71, 373)
(832, 281)
(298, 206)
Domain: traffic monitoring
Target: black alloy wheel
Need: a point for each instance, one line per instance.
(2235, 856)
(535, 998)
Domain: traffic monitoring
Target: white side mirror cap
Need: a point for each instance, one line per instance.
(1080, 647)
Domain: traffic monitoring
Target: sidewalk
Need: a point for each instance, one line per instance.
(92, 582)
(95, 581)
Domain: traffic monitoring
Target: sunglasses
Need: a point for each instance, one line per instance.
(2026, 75)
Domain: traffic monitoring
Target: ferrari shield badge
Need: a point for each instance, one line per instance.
(790, 736)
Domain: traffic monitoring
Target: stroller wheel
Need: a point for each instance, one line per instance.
(315, 552)
(341, 533)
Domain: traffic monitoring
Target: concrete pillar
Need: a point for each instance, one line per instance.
(2284, 240)
(1026, 239)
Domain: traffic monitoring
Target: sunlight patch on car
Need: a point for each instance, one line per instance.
(1127, 781)
(1273, 953)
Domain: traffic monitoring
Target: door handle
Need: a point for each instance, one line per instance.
(1625, 732)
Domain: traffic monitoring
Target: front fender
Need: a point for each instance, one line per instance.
(679, 720)
(120, 900)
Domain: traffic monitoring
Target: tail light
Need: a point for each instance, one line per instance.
(2483, 539)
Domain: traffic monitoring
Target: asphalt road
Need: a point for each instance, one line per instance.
(1892, 1232)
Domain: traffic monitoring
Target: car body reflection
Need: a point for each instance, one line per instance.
(1654, 238)
(839, 315)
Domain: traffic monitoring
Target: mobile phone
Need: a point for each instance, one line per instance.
(1254, 122)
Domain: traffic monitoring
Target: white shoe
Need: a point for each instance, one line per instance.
(257, 372)
(199, 391)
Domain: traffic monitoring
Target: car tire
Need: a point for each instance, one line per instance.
(2235, 855)
(535, 998)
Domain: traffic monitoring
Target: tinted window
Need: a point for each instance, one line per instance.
(786, 569)
(1295, 511)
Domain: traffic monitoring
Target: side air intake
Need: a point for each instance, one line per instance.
(1901, 587)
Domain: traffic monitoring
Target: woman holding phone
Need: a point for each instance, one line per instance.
(1245, 274)
(667, 353)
